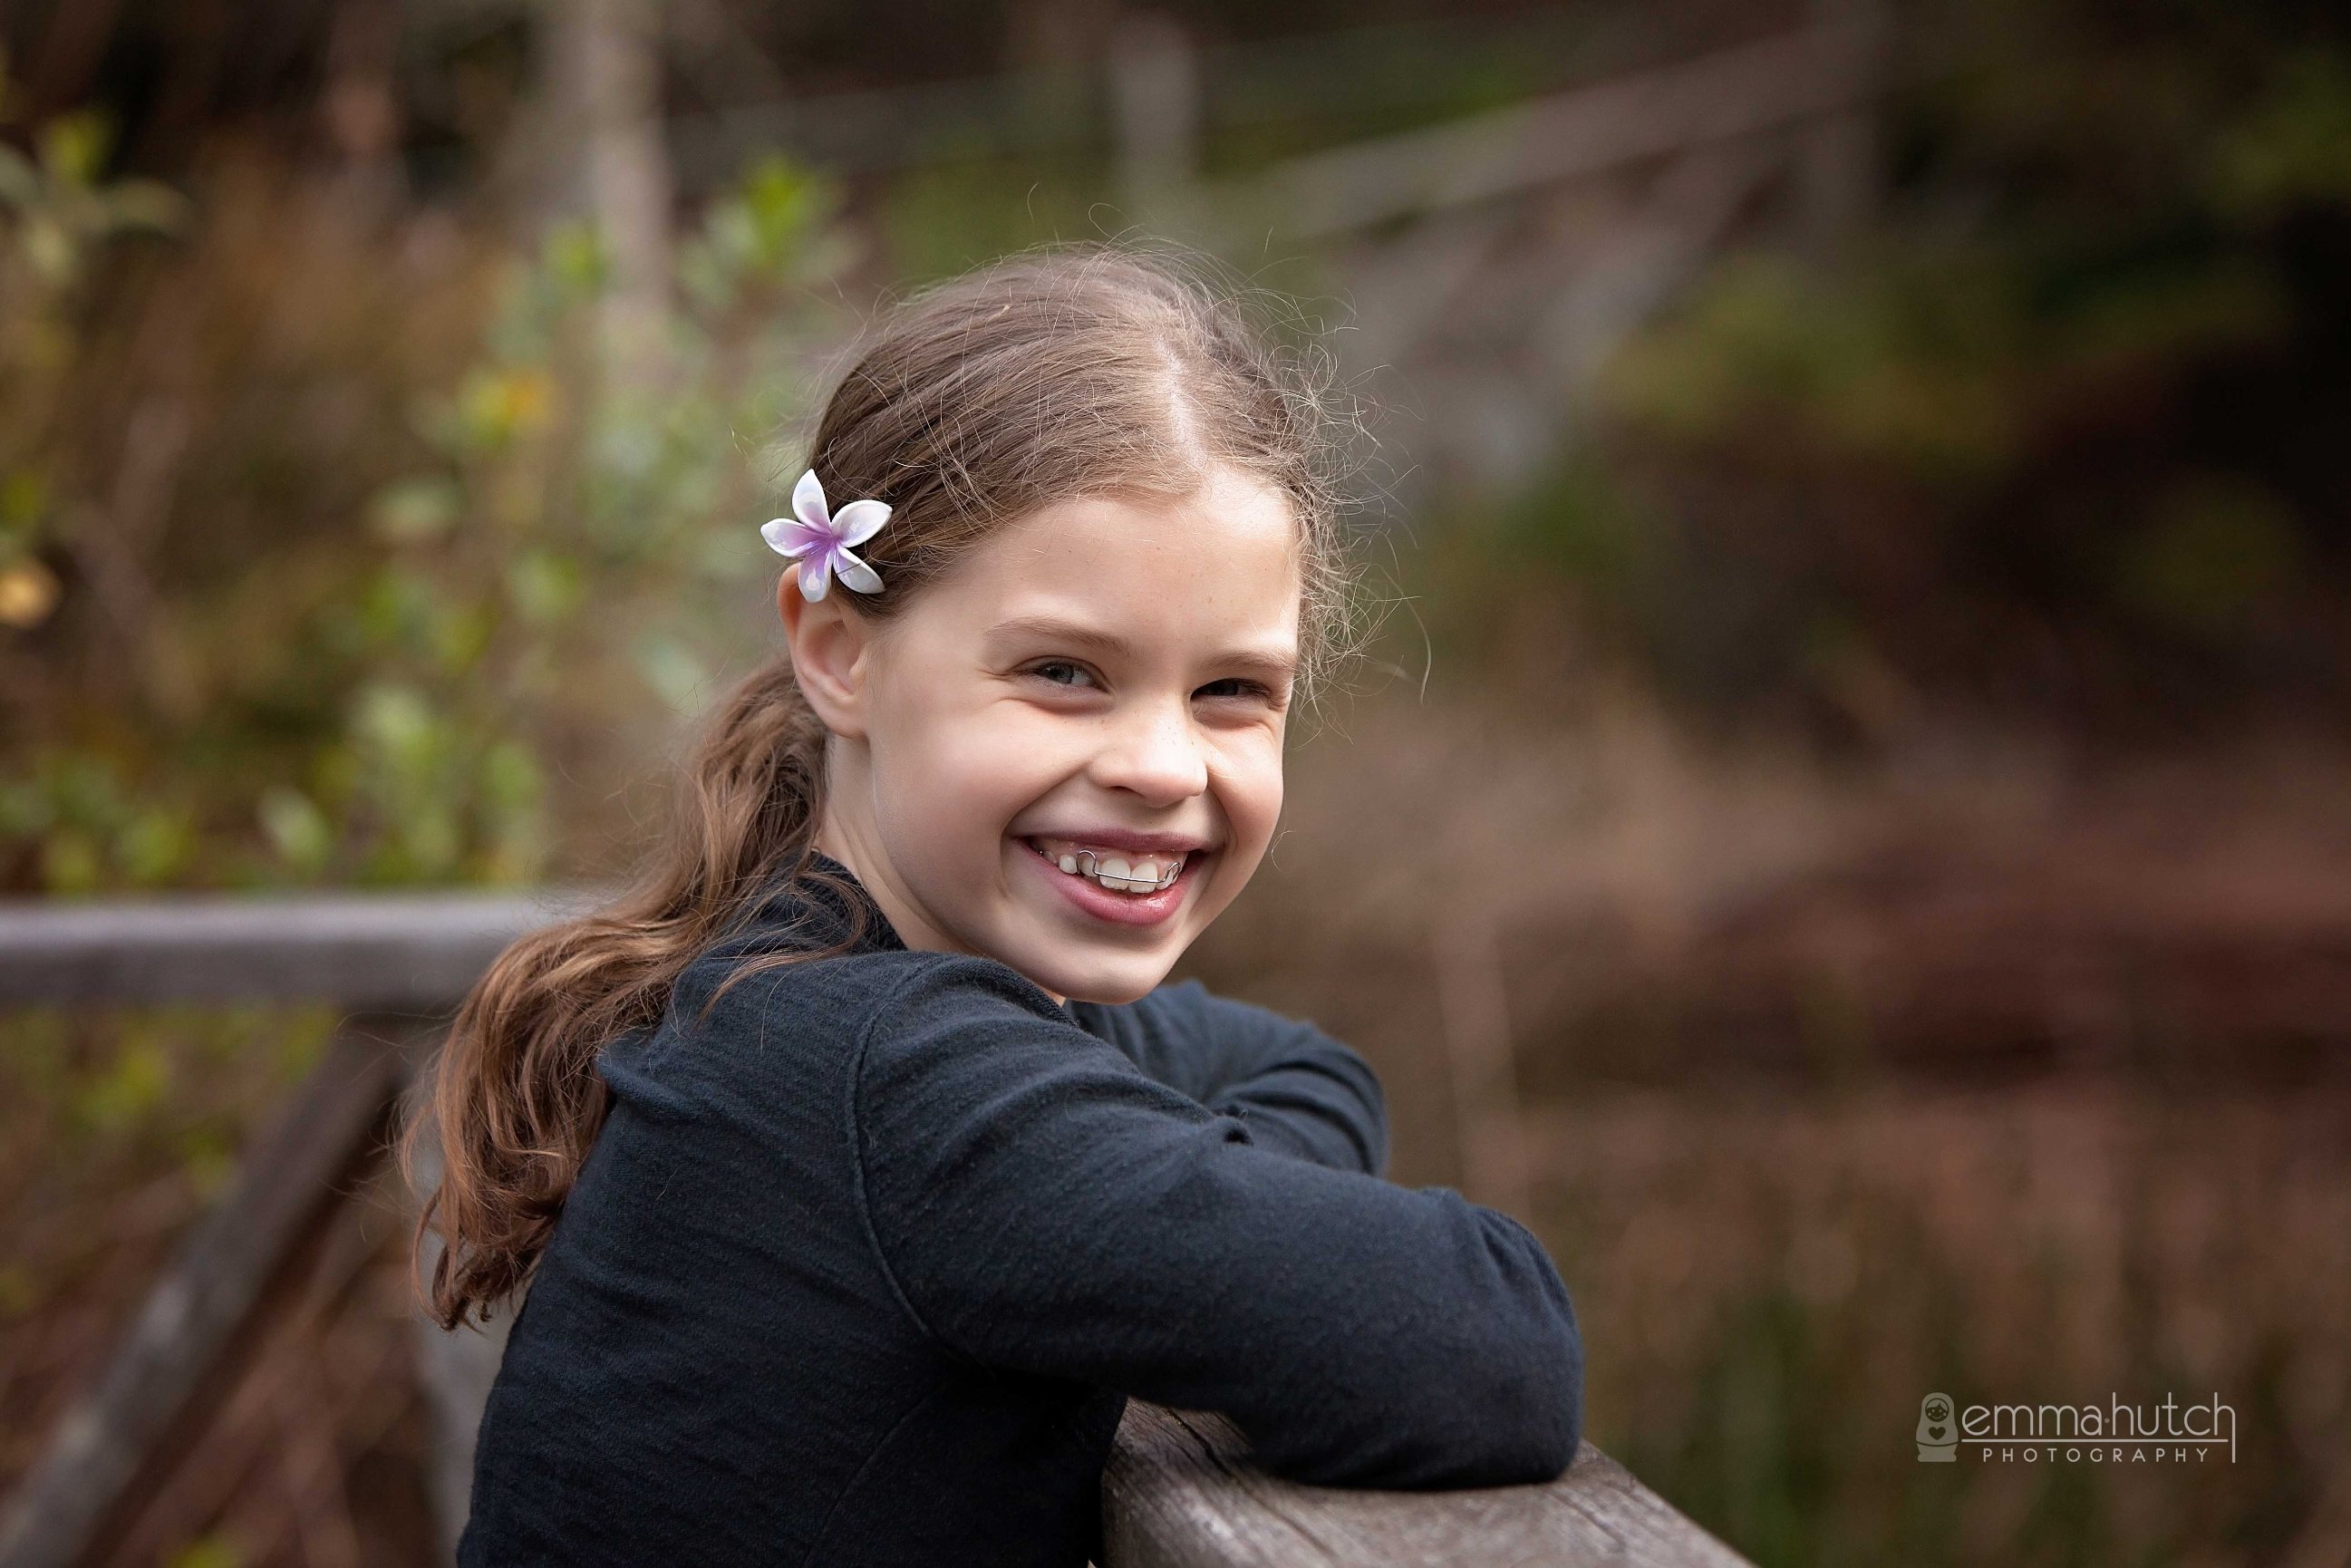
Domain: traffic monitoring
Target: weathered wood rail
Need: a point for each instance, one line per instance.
(1179, 1490)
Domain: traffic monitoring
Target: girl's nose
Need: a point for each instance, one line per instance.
(1154, 751)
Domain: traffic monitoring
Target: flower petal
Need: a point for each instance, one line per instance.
(855, 574)
(807, 502)
(860, 520)
(789, 535)
(815, 574)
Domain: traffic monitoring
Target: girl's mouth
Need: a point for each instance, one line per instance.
(1120, 871)
(1132, 888)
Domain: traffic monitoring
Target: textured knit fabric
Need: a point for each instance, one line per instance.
(866, 1262)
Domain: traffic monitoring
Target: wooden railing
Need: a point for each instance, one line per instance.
(1179, 1490)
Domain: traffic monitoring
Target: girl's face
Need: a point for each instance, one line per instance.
(1101, 676)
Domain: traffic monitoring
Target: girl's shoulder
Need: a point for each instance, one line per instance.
(802, 1033)
(845, 1000)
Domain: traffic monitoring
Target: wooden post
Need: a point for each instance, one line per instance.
(288, 1182)
(402, 958)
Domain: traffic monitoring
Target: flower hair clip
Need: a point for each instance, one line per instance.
(820, 538)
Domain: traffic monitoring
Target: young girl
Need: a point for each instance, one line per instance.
(860, 1164)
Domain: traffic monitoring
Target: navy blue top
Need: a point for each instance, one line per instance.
(863, 1268)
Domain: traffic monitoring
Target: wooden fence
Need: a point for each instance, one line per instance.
(1179, 1491)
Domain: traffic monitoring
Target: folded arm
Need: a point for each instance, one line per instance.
(1044, 1206)
(1298, 1089)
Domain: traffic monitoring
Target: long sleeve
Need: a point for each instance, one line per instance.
(1298, 1089)
(1043, 1205)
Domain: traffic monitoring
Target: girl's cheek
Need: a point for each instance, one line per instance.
(1249, 778)
(1018, 760)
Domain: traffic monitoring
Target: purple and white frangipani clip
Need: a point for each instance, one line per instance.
(820, 538)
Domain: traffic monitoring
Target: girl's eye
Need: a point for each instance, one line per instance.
(1063, 673)
(1234, 687)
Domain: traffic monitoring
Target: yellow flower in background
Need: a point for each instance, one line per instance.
(28, 591)
(498, 405)
(527, 396)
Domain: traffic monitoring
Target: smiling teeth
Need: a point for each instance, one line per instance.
(1121, 874)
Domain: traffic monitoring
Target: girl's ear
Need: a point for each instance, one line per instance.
(829, 642)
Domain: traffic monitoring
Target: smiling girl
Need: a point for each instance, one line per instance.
(859, 1162)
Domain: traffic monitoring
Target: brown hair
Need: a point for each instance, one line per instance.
(1093, 369)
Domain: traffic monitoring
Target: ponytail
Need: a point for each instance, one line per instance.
(516, 1100)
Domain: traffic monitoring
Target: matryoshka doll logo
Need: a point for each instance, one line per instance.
(1939, 1434)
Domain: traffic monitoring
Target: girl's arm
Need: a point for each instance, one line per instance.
(1043, 1205)
(1298, 1089)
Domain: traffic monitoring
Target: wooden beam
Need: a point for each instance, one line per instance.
(1655, 251)
(289, 1181)
(1736, 93)
(1179, 1491)
(384, 952)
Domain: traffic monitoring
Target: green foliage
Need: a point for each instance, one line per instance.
(561, 563)
(63, 211)
(209, 1552)
(583, 505)
(57, 213)
(90, 830)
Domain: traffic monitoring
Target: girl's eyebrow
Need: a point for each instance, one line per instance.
(1275, 666)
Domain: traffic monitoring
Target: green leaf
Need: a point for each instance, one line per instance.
(576, 259)
(209, 1552)
(146, 205)
(415, 511)
(297, 829)
(153, 846)
(544, 587)
(50, 248)
(20, 182)
(73, 147)
(129, 1091)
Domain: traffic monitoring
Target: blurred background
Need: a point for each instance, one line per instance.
(1845, 827)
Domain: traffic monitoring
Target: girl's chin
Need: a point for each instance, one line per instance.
(1066, 989)
(1102, 970)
